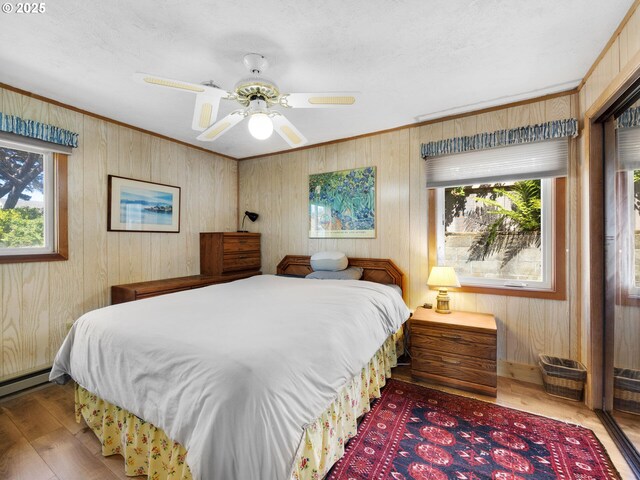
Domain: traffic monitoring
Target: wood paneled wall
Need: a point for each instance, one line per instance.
(39, 300)
(276, 187)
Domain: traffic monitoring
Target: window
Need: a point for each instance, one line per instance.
(497, 234)
(33, 213)
(628, 222)
(498, 217)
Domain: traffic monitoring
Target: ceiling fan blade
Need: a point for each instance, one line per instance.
(206, 110)
(287, 130)
(157, 81)
(319, 100)
(222, 126)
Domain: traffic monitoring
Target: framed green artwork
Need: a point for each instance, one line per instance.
(343, 204)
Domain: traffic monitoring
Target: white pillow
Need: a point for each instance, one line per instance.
(329, 261)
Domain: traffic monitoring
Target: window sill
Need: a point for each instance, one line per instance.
(557, 294)
(41, 257)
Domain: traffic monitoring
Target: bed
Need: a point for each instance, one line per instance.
(258, 378)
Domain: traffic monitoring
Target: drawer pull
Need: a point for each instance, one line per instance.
(450, 362)
(450, 337)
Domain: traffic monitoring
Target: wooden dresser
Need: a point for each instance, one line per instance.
(224, 257)
(456, 349)
(223, 253)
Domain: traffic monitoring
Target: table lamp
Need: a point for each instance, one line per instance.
(252, 216)
(443, 278)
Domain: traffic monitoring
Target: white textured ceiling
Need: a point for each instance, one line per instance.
(412, 60)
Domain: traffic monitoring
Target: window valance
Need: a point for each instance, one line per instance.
(502, 138)
(629, 118)
(37, 130)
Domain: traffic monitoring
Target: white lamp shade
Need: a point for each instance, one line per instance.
(260, 126)
(443, 277)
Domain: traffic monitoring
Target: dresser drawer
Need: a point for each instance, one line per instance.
(449, 365)
(449, 340)
(241, 244)
(240, 261)
(424, 328)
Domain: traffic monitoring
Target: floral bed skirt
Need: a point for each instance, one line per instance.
(148, 451)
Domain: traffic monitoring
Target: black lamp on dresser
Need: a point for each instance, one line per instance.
(253, 216)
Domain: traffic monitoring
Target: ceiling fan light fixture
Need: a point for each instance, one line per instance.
(260, 126)
(256, 95)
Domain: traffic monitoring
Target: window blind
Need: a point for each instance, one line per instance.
(515, 162)
(629, 148)
(18, 140)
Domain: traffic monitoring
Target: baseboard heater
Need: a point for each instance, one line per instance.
(22, 383)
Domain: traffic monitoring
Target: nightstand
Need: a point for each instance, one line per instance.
(456, 349)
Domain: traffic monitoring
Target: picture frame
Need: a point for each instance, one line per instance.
(142, 206)
(342, 204)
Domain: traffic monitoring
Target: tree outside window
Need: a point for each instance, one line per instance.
(23, 198)
(495, 231)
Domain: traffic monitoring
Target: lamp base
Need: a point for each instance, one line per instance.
(242, 231)
(442, 305)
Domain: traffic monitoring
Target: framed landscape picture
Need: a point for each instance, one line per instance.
(343, 204)
(139, 206)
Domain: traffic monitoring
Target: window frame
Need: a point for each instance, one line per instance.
(557, 288)
(59, 230)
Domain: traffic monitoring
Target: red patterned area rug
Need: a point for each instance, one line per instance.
(413, 432)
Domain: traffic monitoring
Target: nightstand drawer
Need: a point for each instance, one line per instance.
(468, 369)
(449, 340)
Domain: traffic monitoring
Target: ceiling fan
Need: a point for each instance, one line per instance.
(257, 96)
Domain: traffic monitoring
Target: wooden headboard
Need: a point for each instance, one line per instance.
(379, 270)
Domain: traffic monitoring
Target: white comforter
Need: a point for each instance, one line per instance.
(233, 372)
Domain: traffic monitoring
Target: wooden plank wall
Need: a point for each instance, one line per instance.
(276, 187)
(618, 56)
(38, 300)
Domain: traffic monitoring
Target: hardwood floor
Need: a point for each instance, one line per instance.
(630, 425)
(40, 439)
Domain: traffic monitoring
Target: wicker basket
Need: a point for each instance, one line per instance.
(626, 395)
(563, 377)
